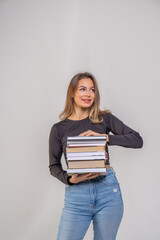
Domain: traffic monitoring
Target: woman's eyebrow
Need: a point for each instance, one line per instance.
(85, 86)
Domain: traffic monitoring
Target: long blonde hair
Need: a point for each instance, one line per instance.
(95, 114)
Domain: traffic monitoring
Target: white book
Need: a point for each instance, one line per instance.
(86, 158)
(87, 170)
(86, 138)
(78, 154)
(84, 144)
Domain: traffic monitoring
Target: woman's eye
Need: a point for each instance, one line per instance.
(82, 89)
(93, 90)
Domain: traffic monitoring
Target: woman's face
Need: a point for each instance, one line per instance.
(84, 95)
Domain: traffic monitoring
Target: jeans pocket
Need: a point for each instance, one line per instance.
(110, 180)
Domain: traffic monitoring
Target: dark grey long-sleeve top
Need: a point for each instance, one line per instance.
(122, 135)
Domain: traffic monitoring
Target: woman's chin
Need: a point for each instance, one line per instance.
(86, 106)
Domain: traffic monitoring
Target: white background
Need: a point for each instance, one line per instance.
(42, 45)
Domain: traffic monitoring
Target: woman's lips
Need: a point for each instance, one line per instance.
(86, 100)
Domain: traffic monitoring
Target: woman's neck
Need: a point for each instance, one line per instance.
(79, 115)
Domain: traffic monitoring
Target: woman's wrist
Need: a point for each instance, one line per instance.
(107, 137)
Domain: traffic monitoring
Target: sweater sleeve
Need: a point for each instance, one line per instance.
(122, 134)
(55, 153)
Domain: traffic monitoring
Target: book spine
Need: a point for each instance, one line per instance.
(85, 170)
(85, 149)
(86, 158)
(80, 138)
(88, 164)
(87, 154)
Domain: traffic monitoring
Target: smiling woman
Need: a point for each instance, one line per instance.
(83, 95)
(90, 196)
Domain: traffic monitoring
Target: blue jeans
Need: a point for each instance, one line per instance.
(98, 199)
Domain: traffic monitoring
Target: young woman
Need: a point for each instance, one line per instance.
(88, 197)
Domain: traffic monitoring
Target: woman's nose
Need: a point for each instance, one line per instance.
(88, 93)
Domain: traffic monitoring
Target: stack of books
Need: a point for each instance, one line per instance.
(86, 154)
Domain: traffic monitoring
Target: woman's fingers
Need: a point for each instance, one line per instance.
(84, 133)
(92, 175)
(81, 177)
(89, 133)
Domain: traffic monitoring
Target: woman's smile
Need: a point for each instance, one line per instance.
(86, 100)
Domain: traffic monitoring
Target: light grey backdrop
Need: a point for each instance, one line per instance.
(43, 44)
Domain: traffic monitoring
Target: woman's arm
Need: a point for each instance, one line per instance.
(122, 134)
(55, 153)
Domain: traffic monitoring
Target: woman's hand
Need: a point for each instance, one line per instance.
(91, 133)
(76, 178)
